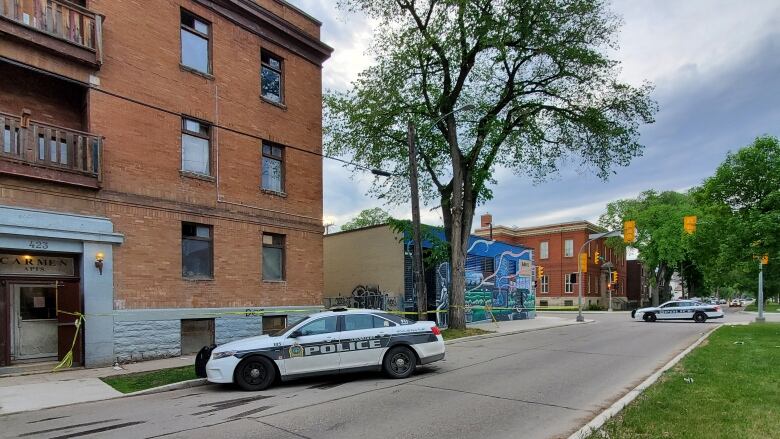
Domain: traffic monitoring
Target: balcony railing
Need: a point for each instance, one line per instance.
(38, 150)
(58, 18)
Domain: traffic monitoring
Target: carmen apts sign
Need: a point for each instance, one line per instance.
(36, 265)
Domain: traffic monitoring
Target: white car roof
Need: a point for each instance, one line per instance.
(347, 311)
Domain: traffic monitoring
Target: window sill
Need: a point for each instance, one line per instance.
(197, 176)
(269, 281)
(198, 279)
(274, 103)
(208, 76)
(274, 193)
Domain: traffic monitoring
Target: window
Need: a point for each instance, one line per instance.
(545, 284)
(321, 326)
(271, 77)
(274, 323)
(356, 322)
(195, 147)
(569, 281)
(273, 167)
(195, 34)
(544, 250)
(197, 252)
(568, 303)
(568, 248)
(543, 303)
(37, 303)
(273, 257)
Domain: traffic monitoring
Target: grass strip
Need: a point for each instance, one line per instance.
(451, 334)
(768, 307)
(726, 388)
(133, 382)
(556, 308)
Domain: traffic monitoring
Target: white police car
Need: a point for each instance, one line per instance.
(679, 310)
(336, 341)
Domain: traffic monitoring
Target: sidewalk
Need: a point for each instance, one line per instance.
(39, 390)
(516, 326)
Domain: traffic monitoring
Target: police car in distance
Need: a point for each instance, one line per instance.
(679, 310)
(336, 341)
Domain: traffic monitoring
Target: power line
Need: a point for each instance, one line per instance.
(235, 131)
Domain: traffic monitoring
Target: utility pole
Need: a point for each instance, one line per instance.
(417, 259)
(760, 317)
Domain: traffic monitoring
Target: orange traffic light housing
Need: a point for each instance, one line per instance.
(689, 224)
(629, 231)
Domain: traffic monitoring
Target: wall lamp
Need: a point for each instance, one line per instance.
(99, 262)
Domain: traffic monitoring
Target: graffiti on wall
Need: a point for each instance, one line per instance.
(364, 296)
(498, 287)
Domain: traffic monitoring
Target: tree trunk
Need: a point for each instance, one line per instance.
(460, 232)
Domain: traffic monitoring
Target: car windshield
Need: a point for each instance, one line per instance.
(289, 326)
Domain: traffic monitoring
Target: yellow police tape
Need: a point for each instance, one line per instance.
(67, 360)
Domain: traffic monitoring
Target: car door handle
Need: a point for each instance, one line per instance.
(382, 334)
(329, 339)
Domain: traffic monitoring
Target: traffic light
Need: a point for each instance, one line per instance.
(540, 271)
(689, 224)
(765, 259)
(614, 277)
(629, 230)
(596, 257)
(583, 262)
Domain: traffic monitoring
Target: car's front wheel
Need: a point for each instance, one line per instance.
(700, 317)
(255, 373)
(649, 317)
(399, 362)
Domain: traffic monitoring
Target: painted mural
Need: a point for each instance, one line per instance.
(499, 280)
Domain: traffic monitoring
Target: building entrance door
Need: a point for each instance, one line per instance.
(34, 322)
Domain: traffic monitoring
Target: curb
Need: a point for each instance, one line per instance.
(614, 409)
(502, 334)
(168, 387)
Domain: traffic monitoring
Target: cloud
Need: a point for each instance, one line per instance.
(715, 64)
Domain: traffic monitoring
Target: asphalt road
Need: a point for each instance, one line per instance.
(541, 384)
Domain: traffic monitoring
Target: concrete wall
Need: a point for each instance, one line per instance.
(371, 256)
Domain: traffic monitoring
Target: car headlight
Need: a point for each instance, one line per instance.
(218, 355)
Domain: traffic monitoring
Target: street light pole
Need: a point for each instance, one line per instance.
(760, 317)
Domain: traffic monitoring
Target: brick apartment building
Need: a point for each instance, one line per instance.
(556, 247)
(160, 172)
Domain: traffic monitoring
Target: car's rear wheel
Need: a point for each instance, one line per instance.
(700, 317)
(399, 362)
(649, 317)
(255, 373)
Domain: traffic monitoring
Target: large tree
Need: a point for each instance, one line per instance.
(538, 82)
(745, 193)
(663, 245)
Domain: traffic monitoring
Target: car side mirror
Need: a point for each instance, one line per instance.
(296, 334)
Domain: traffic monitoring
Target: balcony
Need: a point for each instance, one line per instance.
(47, 152)
(56, 25)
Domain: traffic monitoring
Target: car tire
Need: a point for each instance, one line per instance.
(255, 373)
(399, 362)
(700, 317)
(649, 317)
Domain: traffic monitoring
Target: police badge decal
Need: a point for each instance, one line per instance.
(296, 351)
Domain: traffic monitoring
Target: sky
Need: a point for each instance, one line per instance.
(715, 65)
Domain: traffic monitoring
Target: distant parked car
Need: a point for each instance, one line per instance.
(734, 302)
(722, 302)
(679, 310)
